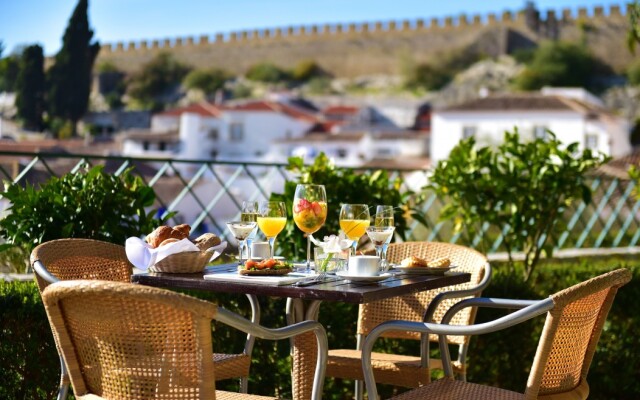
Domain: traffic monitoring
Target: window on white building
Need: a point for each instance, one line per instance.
(213, 134)
(591, 141)
(469, 131)
(236, 132)
(342, 153)
(540, 132)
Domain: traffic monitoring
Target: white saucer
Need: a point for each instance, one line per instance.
(360, 278)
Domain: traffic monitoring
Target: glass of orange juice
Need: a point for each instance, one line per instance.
(271, 220)
(309, 211)
(354, 220)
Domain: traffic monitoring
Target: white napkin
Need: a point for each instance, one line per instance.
(142, 255)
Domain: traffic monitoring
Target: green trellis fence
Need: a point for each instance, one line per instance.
(206, 192)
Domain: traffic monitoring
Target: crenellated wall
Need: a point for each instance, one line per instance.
(354, 49)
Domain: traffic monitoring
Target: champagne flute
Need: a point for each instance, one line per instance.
(241, 230)
(354, 219)
(271, 221)
(249, 212)
(309, 212)
(384, 217)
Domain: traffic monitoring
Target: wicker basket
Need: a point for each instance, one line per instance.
(183, 263)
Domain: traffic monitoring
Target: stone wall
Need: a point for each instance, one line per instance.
(349, 50)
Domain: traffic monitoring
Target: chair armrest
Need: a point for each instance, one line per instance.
(528, 312)
(433, 305)
(240, 323)
(44, 273)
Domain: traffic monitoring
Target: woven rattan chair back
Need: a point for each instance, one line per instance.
(570, 335)
(68, 259)
(129, 342)
(412, 307)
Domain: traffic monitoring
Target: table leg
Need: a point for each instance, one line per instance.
(304, 351)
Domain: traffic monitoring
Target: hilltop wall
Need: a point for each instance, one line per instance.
(349, 50)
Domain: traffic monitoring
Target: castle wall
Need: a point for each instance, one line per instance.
(349, 50)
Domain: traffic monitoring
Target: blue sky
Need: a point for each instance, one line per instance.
(25, 22)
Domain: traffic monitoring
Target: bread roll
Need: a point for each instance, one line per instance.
(413, 262)
(441, 262)
(168, 241)
(159, 235)
(206, 241)
(183, 230)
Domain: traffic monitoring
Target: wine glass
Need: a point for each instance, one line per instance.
(271, 221)
(249, 212)
(384, 217)
(241, 230)
(354, 219)
(309, 212)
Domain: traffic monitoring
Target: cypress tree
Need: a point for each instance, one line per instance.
(30, 88)
(70, 76)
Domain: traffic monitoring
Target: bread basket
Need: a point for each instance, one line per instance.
(187, 262)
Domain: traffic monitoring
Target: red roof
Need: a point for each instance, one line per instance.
(349, 110)
(203, 109)
(272, 106)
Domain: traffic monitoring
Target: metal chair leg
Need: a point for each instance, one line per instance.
(359, 390)
(63, 390)
(244, 384)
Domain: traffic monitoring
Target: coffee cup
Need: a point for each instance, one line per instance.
(363, 265)
(260, 250)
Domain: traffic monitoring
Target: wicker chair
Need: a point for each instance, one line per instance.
(575, 318)
(132, 342)
(405, 370)
(69, 259)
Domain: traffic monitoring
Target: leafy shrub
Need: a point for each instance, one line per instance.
(88, 204)
(208, 80)
(267, 72)
(519, 188)
(307, 70)
(343, 186)
(558, 64)
(154, 82)
(633, 73)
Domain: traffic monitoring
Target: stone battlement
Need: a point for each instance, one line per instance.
(326, 42)
(329, 31)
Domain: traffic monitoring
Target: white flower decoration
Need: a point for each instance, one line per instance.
(333, 243)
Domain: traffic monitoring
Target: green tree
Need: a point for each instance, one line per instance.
(267, 72)
(154, 84)
(558, 64)
(519, 189)
(30, 88)
(633, 73)
(9, 69)
(207, 80)
(428, 77)
(633, 36)
(69, 78)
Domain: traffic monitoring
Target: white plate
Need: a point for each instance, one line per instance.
(359, 278)
(423, 270)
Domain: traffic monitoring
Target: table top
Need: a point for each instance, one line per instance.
(339, 290)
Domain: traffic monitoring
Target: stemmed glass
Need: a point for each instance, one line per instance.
(309, 211)
(271, 221)
(241, 230)
(384, 218)
(354, 220)
(250, 212)
(379, 236)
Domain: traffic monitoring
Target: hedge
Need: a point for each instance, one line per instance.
(31, 369)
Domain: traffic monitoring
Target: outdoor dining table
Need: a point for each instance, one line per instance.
(303, 303)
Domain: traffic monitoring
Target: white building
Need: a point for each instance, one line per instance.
(573, 115)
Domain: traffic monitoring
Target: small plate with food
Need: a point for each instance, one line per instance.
(419, 266)
(269, 266)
